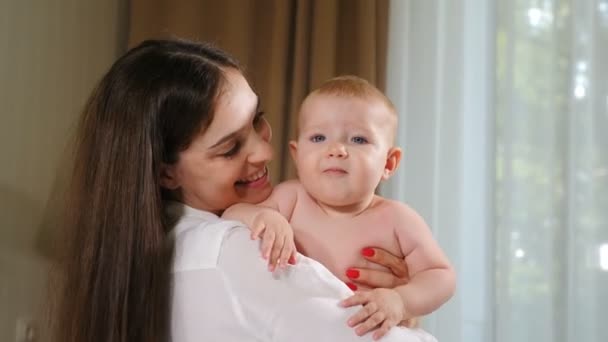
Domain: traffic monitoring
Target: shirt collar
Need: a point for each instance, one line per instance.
(176, 210)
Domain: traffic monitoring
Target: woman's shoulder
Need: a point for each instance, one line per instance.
(197, 238)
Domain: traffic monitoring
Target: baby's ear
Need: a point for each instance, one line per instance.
(293, 150)
(168, 179)
(393, 157)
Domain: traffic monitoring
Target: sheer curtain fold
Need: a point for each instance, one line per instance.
(510, 100)
(552, 180)
(288, 47)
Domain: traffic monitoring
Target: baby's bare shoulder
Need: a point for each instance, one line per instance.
(295, 192)
(288, 184)
(399, 211)
(287, 187)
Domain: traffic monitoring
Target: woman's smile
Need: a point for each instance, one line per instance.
(257, 180)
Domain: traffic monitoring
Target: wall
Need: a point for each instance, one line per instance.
(52, 54)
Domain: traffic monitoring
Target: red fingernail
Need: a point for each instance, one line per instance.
(352, 274)
(368, 252)
(292, 260)
(352, 286)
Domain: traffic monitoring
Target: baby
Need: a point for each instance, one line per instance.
(344, 149)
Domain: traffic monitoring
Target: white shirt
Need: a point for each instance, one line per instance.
(223, 291)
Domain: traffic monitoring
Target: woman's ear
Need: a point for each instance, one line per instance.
(168, 179)
(393, 157)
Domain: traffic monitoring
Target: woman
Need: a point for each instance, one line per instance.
(171, 137)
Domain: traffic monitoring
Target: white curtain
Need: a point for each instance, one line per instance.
(504, 123)
(552, 170)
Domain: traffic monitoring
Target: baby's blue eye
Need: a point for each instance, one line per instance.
(359, 140)
(317, 138)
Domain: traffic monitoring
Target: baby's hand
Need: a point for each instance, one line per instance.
(382, 308)
(278, 244)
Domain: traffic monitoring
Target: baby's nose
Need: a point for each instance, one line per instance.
(337, 150)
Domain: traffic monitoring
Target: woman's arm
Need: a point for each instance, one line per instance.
(297, 304)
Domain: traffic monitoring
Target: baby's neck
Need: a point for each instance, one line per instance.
(350, 210)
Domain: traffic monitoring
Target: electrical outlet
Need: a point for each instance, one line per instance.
(26, 330)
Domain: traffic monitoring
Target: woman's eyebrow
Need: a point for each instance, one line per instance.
(226, 138)
(234, 134)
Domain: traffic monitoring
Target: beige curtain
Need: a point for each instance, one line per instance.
(288, 47)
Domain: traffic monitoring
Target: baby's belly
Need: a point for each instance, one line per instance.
(339, 252)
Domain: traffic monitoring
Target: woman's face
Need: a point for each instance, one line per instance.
(227, 163)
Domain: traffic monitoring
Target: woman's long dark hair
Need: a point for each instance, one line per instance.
(115, 280)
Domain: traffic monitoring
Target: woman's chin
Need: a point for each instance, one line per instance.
(254, 195)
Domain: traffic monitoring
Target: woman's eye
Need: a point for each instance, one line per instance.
(359, 140)
(232, 151)
(317, 138)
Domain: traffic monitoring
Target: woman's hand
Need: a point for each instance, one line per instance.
(278, 245)
(373, 278)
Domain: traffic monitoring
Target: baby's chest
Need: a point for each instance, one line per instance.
(337, 243)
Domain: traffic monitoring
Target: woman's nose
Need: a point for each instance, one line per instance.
(261, 149)
(337, 150)
(265, 131)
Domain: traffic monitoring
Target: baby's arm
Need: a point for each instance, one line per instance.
(432, 278)
(271, 218)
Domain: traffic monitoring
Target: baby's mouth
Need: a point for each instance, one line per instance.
(335, 171)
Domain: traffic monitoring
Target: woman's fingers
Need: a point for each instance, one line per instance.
(375, 278)
(380, 256)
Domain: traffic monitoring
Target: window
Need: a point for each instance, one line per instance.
(503, 112)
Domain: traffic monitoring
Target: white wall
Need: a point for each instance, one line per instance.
(51, 55)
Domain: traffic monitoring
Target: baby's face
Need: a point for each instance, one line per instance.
(342, 147)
